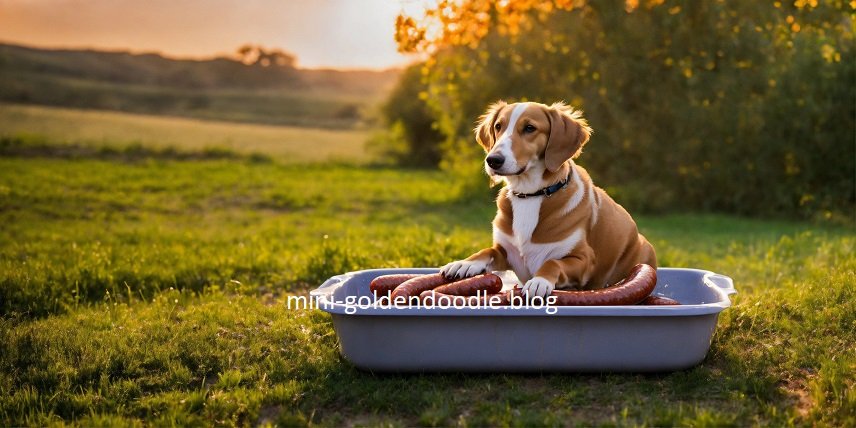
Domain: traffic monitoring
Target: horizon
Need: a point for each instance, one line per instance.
(323, 34)
(224, 55)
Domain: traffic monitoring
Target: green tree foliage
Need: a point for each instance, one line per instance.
(745, 107)
(411, 138)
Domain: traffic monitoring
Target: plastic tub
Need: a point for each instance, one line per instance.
(527, 339)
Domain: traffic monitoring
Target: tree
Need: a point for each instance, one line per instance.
(730, 105)
(259, 56)
(411, 138)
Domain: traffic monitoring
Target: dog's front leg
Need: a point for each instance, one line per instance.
(488, 259)
(571, 271)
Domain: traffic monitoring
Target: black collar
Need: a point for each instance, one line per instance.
(547, 191)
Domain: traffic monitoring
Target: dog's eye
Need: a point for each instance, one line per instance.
(528, 128)
(498, 126)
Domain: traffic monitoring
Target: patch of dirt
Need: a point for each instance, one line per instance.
(796, 388)
(210, 381)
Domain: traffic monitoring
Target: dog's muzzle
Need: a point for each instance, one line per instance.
(495, 161)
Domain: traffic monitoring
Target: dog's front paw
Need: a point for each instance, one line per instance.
(463, 269)
(538, 286)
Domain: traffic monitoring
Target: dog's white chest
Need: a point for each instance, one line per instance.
(525, 219)
(524, 256)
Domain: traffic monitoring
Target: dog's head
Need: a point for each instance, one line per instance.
(520, 137)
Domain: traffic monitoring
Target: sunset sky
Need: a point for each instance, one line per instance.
(321, 33)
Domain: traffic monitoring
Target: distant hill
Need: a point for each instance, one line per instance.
(219, 88)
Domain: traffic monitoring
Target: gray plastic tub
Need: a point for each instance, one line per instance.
(527, 339)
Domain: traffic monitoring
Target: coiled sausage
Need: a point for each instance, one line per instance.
(435, 298)
(658, 300)
(415, 286)
(486, 283)
(386, 283)
(629, 291)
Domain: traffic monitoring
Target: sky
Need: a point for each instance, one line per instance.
(321, 33)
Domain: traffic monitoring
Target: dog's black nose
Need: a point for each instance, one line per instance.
(495, 160)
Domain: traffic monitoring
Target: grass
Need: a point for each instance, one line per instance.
(151, 292)
(271, 106)
(101, 129)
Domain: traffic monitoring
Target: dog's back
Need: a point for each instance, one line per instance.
(616, 241)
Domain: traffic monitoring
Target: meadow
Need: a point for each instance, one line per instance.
(149, 289)
(98, 129)
(222, 88)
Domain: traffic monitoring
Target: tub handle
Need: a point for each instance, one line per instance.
(329, 286)
(723, 282)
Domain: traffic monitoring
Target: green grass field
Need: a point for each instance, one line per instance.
(91, 128)
(150, 292)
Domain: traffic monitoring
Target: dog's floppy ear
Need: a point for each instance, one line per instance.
(569, 132)
(484, 129)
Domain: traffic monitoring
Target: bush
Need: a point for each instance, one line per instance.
(410, 138)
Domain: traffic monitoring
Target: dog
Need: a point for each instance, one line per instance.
(553, 227)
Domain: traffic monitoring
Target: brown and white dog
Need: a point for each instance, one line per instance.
(553, 228)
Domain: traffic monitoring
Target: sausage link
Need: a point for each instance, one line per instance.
(437, 298)
(386, 283)
(629, 291)
(496, 299)
(415, 286)
(487, 284)
(659, 300)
